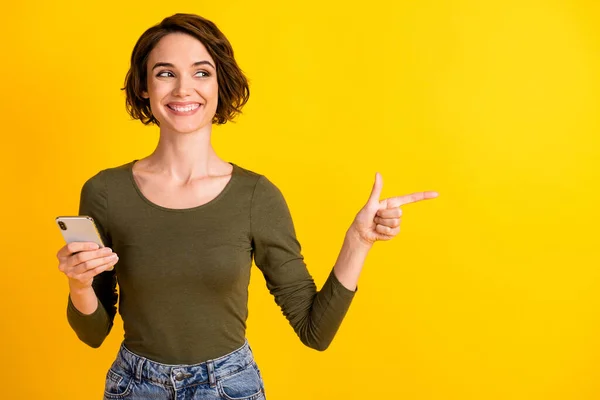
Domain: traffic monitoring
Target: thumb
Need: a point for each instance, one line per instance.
(376, 191)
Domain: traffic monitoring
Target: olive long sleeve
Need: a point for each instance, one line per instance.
(183, 274)
(92, 329)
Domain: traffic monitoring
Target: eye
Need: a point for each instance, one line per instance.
(162, 74)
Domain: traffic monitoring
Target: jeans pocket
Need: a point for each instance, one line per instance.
(262, 383)
(243, 385)
(118, 384)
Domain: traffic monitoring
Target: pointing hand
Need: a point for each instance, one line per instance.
(380, 219)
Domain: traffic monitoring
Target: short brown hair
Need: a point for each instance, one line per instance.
(233, 85)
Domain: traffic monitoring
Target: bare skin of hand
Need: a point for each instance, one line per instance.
(380, 219)
(81, 261)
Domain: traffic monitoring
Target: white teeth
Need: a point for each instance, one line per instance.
(185, 108)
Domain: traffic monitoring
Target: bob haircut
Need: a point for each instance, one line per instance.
(232, 83)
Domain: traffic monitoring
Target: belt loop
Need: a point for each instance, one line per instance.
(139, 369)
(211, 373)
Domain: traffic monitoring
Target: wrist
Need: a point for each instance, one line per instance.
(354, 239)
(76, 288)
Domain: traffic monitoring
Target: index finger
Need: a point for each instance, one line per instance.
(75, 247)
(410, 198)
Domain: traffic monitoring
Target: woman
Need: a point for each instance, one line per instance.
(184, 225)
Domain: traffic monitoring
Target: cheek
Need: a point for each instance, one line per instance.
(158, 89)
(214, 92)
(212, 89)
(157, 92)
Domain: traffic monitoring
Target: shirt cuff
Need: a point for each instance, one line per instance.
(339, 288)
(72, 309)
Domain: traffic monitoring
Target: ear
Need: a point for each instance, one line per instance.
(145, 94)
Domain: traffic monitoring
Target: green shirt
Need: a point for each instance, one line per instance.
(183, 274)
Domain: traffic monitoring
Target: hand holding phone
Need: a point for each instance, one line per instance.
(84, 256)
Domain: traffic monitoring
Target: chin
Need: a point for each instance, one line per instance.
(187, 128)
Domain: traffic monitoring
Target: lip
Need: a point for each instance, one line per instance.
(183, 104)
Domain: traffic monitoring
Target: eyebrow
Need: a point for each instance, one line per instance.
(196, 64)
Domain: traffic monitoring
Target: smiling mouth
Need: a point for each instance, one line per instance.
(186, 108)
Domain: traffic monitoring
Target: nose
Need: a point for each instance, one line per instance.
(183, 87)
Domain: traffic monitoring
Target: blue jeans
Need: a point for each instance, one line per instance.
(235, 376)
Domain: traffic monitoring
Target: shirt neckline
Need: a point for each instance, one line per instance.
(234, 174)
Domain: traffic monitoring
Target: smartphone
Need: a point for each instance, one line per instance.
(79, 228)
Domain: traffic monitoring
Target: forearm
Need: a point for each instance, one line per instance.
(329, 306)
(351, 259)
(84, 300)
(317, 315)
(87, 316)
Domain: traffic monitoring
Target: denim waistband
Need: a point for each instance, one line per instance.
(209, 371)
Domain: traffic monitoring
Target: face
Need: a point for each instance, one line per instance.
(182, 84)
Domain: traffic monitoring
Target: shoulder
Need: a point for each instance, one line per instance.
(260, 184)
(101, 179)
(246, 174)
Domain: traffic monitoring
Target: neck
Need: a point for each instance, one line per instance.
(185, 156)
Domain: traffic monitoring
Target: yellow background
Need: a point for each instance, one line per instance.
(490, 291)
